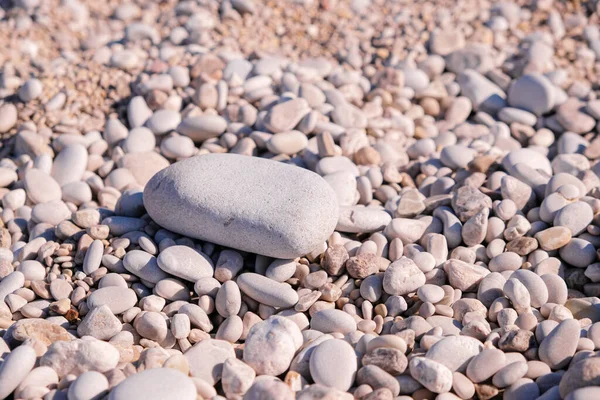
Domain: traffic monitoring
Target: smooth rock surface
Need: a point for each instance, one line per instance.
(155, 384)
(333, 363)
(185, 262)
(250, 204)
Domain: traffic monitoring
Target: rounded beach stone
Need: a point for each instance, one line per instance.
(281, 270)
(456, 156)
(89, 385)
(285, 116)
(532, 92)
(575, 216)
(403, 277)
(267, 291)
(535, 286)
(529, 157)
(435, 376)
(240, 202)
(206, 359)
(237, 377)
(332, 320)
(271, 345)
(100, 323)
(8, 117)
(431, 293)
(81, 355)
(139, 140)
(202, 127)
(455, 352)
(523, 388)
(11, 282)
(359, 219)
(93, 257)
(578, 252)
(138, 112)
(38, 377)
(163, 121)
(560, 345)
(15, 368)
(290, 143)
(155, 384)
(553, 238)
(70, 164)
(583, 373)
(269, 389)
(228, 300)
(118, 299)
(507, 261)
(333, 363)
(185, 262)
(41, 187)
(144, 265)
(509, 374)
(485, 364)
(377, 378)
(151, 325)
(31, 89)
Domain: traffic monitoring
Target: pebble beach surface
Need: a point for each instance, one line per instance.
(302, 199)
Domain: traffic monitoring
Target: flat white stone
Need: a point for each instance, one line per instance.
(155, 384)
(247, 203)
(185, 262)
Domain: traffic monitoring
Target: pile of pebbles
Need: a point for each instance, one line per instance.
(335, 199)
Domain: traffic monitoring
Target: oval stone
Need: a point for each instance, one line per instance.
(560, 345)
(143, 265)
(155, 384)
(118, 299)
(70, 164)
(185, 262)
(267, 291)
(15, 368)
(247, 203)
(41, 187)
(202, 127)
(333, 363)
(462, 348)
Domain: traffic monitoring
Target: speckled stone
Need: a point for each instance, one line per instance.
(247, 203)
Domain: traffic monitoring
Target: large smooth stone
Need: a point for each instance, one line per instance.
(248, 203)
(70, 164)
(206, 359)
(455, 352)
(157, 383)
(532, 92)
(526, 156)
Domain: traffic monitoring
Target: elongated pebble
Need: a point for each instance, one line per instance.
(185, 262)
(267, 291)
(15, 368)
(144, 265)
(332, 320)
(118, 299)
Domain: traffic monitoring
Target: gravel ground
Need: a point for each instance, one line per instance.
(264, 200)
